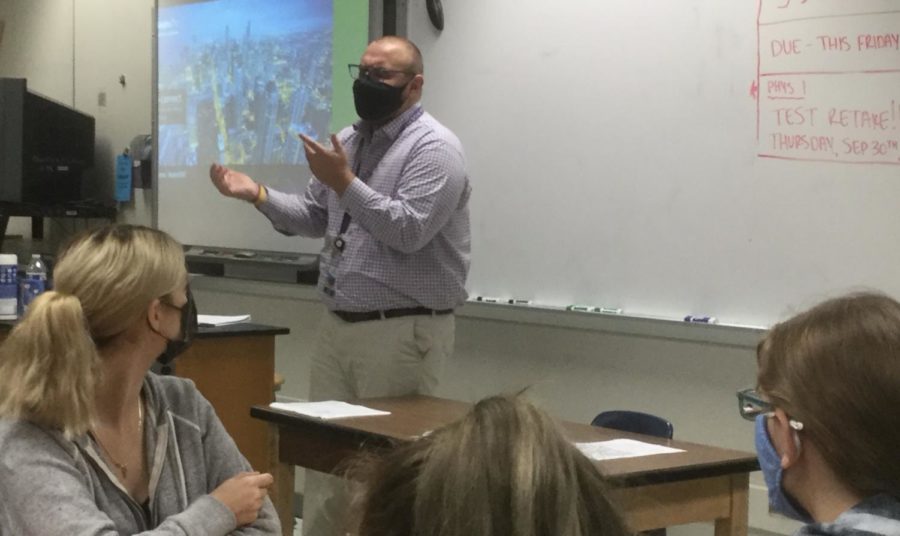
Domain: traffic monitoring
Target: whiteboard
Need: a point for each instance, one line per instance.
(635, 154)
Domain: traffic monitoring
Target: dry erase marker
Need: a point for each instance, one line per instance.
(517, 301)
(581, 308)
(701, 319)
(609, 310)
(488, 299)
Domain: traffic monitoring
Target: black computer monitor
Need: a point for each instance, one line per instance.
(45, 147)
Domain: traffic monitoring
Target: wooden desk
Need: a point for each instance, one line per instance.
(234, 367)
(701, 484)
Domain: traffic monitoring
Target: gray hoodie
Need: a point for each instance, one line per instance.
(53, 486)
(878, 515)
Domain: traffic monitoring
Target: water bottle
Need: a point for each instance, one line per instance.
(35, 281)
(9, 266)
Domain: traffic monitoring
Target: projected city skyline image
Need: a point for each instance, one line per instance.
(239, 79)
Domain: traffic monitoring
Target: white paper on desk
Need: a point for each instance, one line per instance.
(621, 448)
(219, 320)
(329, 409)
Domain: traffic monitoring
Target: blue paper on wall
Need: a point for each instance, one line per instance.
(123, 177)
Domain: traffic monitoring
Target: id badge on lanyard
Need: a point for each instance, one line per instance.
(331, 257)
(333, 247)
(339, 242)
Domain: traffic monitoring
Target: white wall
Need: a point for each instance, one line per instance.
(574, 373)
(114, 39)
(71, 51)
(37, 45)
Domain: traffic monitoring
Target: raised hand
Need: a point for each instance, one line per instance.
(233, 183)
(328, 165)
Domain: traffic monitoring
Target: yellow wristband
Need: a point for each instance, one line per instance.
(261, 196)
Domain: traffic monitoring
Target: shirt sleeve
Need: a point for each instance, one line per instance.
(430, 189)
(295, 214)
(45, 492)
(223, 461)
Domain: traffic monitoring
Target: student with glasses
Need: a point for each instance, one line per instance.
(391, 200)
(827, 413)
(91, 442)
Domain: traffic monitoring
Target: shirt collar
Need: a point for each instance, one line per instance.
(392, 128)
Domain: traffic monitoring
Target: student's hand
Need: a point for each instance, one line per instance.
(244, 494)
(233, 183)
(328, 165)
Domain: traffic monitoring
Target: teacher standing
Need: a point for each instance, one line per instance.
(391, 201)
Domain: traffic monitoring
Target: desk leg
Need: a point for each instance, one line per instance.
(282, 491)
(736, 523)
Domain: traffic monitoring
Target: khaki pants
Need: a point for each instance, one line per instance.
(392, 357)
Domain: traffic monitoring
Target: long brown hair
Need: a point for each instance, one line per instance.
(836, 369)
(502, 470)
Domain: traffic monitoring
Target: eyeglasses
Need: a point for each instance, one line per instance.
(167, 301)
(373, 73)
(172, 305)
(751, 404)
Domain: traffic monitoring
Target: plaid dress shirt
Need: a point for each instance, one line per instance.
(408, 239)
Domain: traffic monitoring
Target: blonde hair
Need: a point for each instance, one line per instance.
(836, 369)
(502, 470)
(103, 282)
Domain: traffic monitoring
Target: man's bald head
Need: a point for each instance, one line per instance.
(406, 51)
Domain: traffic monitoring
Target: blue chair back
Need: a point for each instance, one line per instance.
(638, 423)
(635, 422)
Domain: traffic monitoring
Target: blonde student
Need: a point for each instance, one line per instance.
(502, 470)
(93, 443)
(827, 412)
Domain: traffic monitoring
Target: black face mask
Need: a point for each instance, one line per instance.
(175, 347)
(376, 100)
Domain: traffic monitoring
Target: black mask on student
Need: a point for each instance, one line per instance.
(376, 100)
(175, 347)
